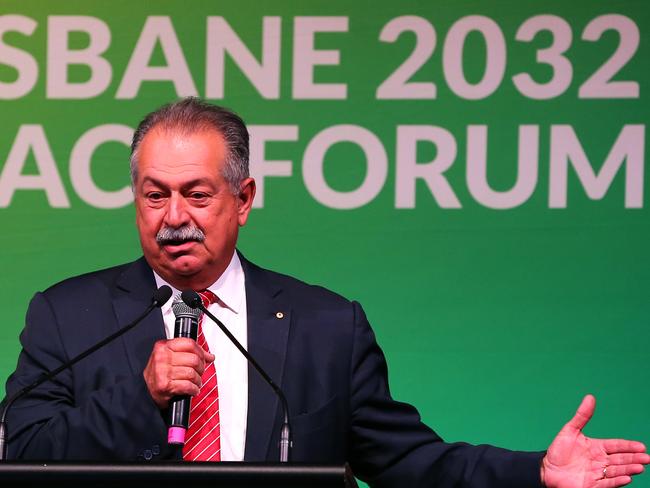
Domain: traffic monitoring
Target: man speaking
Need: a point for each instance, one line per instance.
(189, 168)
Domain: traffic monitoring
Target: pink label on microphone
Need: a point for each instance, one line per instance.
(176, 435)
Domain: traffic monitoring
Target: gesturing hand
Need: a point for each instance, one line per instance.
(576, 461)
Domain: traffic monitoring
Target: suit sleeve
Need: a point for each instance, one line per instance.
(113, 419)
(390, 446)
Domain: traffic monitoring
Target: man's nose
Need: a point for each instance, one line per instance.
(177, 213)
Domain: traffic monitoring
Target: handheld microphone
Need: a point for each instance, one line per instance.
(186, 325)
(158, 299)
(193, 300)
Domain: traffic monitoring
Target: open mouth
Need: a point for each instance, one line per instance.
(175, 246)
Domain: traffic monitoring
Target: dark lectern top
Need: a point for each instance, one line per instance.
(179, 475)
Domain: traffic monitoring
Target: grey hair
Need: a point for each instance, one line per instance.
(190, 115)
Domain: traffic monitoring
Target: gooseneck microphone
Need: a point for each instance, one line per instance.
(193, 300)
(159, 298)
(186, 325)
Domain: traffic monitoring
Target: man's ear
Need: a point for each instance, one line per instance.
(245, 200)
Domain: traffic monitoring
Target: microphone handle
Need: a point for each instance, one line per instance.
(179, 406)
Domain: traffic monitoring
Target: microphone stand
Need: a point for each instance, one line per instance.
(192, 299)
(160, 297)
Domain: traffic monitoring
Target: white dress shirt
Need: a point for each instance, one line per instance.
(230, 364)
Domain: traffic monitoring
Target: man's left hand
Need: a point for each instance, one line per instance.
(576, 461)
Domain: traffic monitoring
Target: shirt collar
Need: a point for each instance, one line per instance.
(230, 286)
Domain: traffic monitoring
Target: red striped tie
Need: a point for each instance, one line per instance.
(203, 441)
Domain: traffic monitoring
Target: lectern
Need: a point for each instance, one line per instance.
(176, 474)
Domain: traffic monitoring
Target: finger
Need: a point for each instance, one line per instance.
(625, 470)
(205, 356)
(614, 482)
(583, 414)
(182, 344)
(183, 387)
(188, 359)
(185, 373)
(629, 458)
(614, 446)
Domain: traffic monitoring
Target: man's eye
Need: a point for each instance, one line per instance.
(154, 196)
(197, 195)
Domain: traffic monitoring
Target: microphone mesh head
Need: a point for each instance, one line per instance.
(181, 310)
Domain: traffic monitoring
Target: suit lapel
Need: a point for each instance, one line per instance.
(131, 298)
(269, 318)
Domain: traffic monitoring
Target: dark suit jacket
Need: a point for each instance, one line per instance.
(322, 352)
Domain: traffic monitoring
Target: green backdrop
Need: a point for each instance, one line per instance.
(498, 306)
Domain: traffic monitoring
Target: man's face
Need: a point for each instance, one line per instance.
(180, 186)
